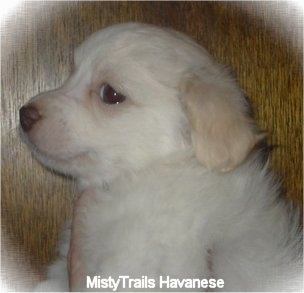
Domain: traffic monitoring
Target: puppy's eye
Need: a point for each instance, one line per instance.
(110, 96)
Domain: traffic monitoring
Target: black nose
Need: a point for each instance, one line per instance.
(29, 115)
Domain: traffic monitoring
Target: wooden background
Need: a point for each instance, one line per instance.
(37, 43)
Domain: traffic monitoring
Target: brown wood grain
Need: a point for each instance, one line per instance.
(37, 45)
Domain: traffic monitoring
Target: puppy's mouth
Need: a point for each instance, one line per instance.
(44, 141)
(60, 162)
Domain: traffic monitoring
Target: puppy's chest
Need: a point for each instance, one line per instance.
(163, 213)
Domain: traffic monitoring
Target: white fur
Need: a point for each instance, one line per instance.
(157, 164)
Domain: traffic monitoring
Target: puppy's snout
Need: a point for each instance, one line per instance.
(29, 115)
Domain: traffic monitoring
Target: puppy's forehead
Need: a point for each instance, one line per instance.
(134, 41)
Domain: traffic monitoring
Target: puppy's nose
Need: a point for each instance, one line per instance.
(29, 115)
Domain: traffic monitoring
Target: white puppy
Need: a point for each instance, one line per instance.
(159, 138)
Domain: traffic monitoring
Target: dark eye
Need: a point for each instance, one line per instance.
(110, 96)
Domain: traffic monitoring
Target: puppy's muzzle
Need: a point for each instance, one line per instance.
(29, 115)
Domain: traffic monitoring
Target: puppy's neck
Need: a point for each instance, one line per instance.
(125, 176)
(98, 182)
(101, 180)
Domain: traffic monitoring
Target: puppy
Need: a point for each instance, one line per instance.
(173, 195)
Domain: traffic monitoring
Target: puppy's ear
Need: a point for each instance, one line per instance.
(222, 132)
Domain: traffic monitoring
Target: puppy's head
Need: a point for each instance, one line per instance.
(139, 93)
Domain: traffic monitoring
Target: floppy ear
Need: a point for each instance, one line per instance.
(222, 132)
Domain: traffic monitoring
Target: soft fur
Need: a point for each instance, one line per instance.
(178, 188)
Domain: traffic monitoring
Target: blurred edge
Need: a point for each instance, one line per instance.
(284, 17)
